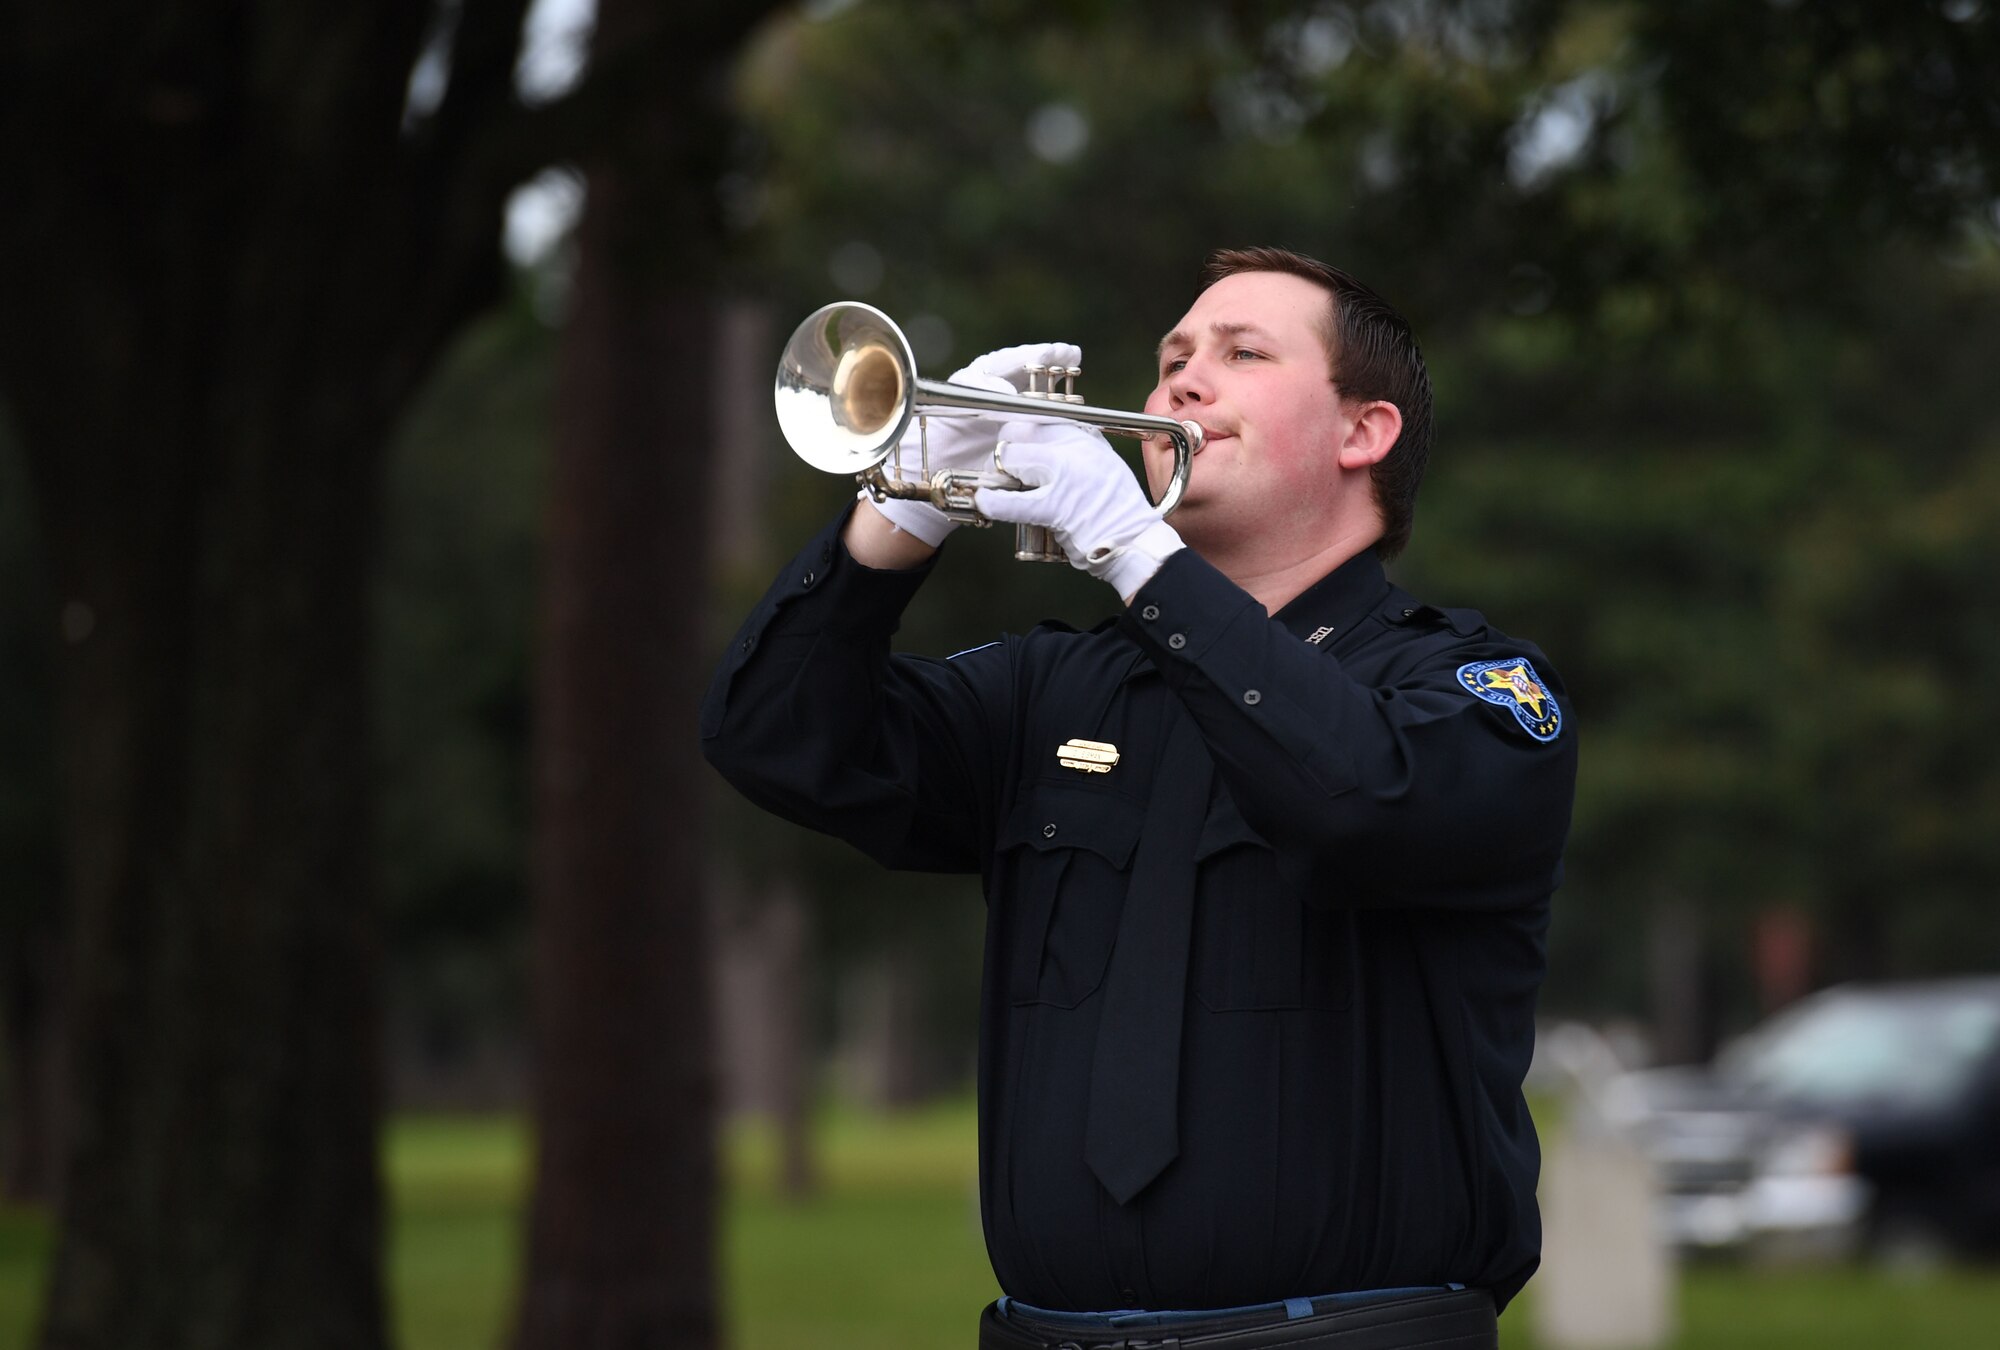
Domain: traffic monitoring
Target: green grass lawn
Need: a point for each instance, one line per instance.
(888, 1255)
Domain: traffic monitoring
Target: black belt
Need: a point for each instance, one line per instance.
(1457, 1320)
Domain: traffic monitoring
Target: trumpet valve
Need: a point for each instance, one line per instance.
(954, 494)
(1036, 376)
(1069, 394)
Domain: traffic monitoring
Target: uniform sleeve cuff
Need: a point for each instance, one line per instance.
(1185, 609)
(849, 596)
(1132, 566)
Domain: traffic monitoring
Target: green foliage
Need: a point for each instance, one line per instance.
(1877, 118)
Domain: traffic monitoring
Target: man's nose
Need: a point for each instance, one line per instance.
(1187, 386)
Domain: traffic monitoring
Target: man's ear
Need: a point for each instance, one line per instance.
(1372, 434)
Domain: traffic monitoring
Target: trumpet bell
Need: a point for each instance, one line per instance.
(844, 388)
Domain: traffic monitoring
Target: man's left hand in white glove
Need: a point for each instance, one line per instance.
(1081, 490)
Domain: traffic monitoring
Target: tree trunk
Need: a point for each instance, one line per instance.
(220, 1187)
(621, 1228)
(786, 922)
(764, 978)
(238, 255)
(1677, 970)
(621, 1225)
(33, 913)
(33, 1020)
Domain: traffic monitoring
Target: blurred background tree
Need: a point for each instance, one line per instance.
(621, 1225)
(1709, 291)
(256, 231)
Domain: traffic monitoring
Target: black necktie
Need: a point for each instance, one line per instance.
(1133, 1129)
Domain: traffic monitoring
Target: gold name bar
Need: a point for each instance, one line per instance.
(1088, 756)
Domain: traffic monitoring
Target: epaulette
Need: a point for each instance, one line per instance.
(1058, 626)
(1404, 612)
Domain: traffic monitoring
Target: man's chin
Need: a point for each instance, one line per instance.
(1192, 519)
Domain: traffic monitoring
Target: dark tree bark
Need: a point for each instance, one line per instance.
(765, 978)
(31, 1006)
(621, 1229)
(787, 928)
(232, 261)
(233, 255)
(1677, 975)
(621, 1226)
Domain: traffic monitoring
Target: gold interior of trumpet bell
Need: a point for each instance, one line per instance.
(867, 389)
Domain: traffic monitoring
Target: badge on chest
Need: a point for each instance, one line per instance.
(1087, 756)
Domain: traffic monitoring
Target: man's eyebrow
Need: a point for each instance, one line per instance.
(1222, 330)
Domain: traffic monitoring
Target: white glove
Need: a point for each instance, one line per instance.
(1085, 494)
(964, 443)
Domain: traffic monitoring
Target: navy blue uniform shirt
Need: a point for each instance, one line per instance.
(1391, 791)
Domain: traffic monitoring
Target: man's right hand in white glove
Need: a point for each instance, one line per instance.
(1077, 486)
(964, 443)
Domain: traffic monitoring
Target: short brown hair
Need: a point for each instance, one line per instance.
(1374, 355)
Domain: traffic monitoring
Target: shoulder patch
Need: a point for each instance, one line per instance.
(1512, 683)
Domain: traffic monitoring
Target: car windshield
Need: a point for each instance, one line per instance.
(1914, 1050)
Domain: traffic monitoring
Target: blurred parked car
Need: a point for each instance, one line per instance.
(1912, 1073)
(1864, 1115)
(1735, 1174)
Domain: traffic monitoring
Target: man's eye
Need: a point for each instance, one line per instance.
(1243, 354)
(1173, 365)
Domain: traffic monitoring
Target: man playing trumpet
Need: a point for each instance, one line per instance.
(1267, 858)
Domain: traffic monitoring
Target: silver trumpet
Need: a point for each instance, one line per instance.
(847, 388)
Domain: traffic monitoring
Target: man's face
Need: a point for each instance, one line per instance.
(1247, 362)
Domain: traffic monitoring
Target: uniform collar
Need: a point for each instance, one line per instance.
(1331, 606)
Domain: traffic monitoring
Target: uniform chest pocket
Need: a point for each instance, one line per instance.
(1256, 944)
(1066, 851)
